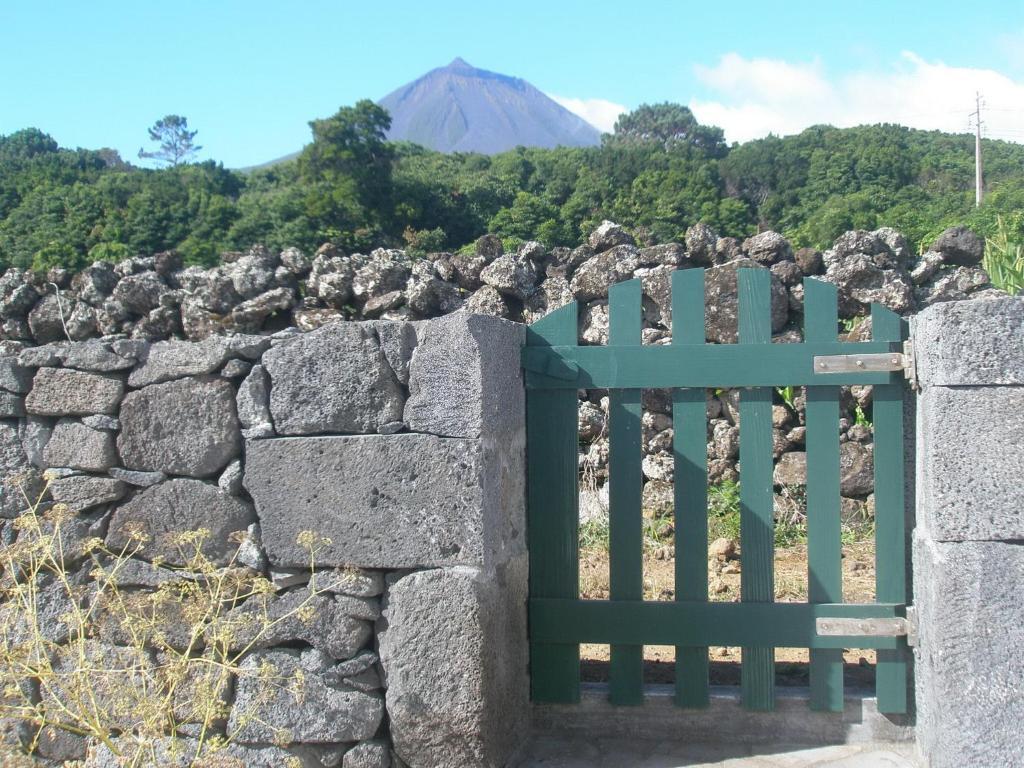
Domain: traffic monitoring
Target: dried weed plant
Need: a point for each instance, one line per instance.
(144, 674)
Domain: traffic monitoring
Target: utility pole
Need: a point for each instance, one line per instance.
(978, 190)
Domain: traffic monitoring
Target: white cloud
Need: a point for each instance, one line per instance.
(599, 113)
(754, 97)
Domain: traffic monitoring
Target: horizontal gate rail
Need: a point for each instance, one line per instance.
(698, 365)
(650, 622)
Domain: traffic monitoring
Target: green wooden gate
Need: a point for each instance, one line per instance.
(556, 367)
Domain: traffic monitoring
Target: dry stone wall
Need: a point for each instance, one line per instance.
(261, 292)
(400, 442)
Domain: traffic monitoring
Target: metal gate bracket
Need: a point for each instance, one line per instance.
(880, 361)
(893, 627)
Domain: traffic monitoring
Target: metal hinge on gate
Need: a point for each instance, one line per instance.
(881, 361)
(897, 626)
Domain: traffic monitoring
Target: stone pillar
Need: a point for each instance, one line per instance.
(436, 499)
(454, 647)
(969, 539)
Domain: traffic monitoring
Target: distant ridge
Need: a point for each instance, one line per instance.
(459, 108)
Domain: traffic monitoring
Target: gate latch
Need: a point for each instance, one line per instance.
(892, 627)
(879, 361)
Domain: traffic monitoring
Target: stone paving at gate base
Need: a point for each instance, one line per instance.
(608, 753)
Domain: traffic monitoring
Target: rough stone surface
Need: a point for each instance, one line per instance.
(368, 754)
(184, 427)
(35, 433)
(75, 445)
(971, 342)
(514, 276)
(970, 657)
(971, 463)
(82, 493)
(333, 379)
(397, 341)
(395, 501)
(179, 506)
(597, 274)
(452, 699)
(607, 235)
(331, 627)
(167, 360)
(313, 712)
(465, 378)
(100, 421)
(99, 356)
(791, 469)
(253, 399)
(66, 392)
(721, 296)
(14, 377)
(136, 478)
(230, 480)
(768, 248)
(959, 245)
(856, 470)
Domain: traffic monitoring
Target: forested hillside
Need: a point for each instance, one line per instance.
(658, 173)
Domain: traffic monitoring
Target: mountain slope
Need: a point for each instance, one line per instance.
(459, 108)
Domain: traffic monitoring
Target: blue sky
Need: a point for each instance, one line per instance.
(250, 74)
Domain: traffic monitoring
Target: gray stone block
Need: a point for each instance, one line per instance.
(66, 392)
(100, 421)
(465, 378)
(168, 360)
(181, 752)
(11, 405)
(309, 709)
(235, 369)
(230, 480)
(397, 341)
(138, 479)
(83, 492)
(330, 626)
(368, 754)
(14, 377)
(180, 506)
(970, 657)
(385, 501)
(970, 463)
(35, 433)
(184, 427)
(960, 343)
(333, 379)
(253, 399)
(75, 445)
(96, 356)
(452, 646)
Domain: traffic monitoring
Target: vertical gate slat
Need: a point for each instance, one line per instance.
(625, 553)
(553, 509)
(757, 539)
(824, 548)
(890, 536)
(689, 422)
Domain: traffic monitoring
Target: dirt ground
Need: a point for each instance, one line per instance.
(724, 585)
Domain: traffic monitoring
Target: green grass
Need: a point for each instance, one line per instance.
(1004, 260)
(724, 522)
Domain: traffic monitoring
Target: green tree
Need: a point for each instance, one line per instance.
(350, 153)
(670, 125)
(175, 140)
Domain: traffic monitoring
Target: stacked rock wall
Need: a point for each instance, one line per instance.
(154, 298)
(402, 443)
